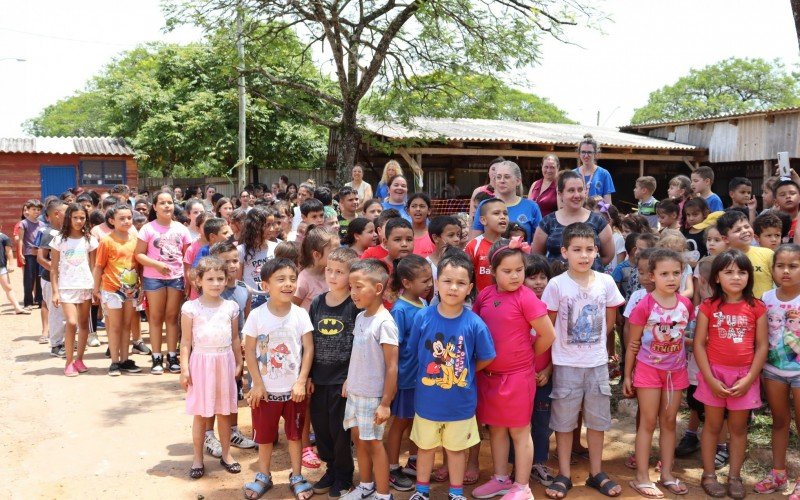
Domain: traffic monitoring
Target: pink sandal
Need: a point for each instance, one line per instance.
(471, 476)
(442, 474)
(310, 459)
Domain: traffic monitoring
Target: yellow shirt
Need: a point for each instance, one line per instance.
(761, 258)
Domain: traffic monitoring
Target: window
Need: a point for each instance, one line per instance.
(102, 172)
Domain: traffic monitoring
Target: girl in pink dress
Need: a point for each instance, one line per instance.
(507, 386)
(211, 359)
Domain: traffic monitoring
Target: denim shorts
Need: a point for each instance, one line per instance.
(156, 284)
(793, 382)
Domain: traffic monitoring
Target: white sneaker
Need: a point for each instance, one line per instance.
(240, 441)
(359, 493)
(212, 446)
(93, 340)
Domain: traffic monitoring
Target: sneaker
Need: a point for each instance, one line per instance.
(58, 351)
(139, 347)
(325, 483)
(518, 492)
(688, 444)
(240, 441)
(129, 366)
(360, 493)
(772, 483)
(108, 352)
(173, 364)
(422, 496)
(212, 446)
(722, 457)
(542, 473)
(492, 488)
(70, 370)
(452, 496)
(93, 340)
(339, 489)
(80, 366)
(400, 481)
(114, 370)
(158, 369)
(411, 467)
(100, 325)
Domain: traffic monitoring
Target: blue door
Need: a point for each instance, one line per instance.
(56, 180)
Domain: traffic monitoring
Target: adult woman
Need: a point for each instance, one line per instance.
(224, 208)
(523, 211)
(244, 200)
(572, 192)
(291, 192)
(396, 197)
(304, 192)
(543, 191)
(177, 192)
(596, 178)
(391, 169)
(487, 188)
(208, 201)
(363, 188)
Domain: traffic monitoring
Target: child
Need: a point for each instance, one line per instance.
(317, 244)
(643, 192)
(740, 189)
(333, 315)
(162, 243)
(255, 249)
(348, 205)
(622, 273)
(680, 190)
(643, 242)
(695, 211)
(782, 369)
(211, 359)
(768, 193)
(735, 227)
(768, 229)
(658, 322)
(288, 250)
(673, 240)
(379, 250)
(373, 208)
(32, 288)
(419, 208)
(52, 317)
(702, 179)
(445, 394)
(313, 212)
(787, 197)
(730, 346)
(520, 329)
(494, 218)
(668, 213)
(72, 261)
(215, 230)
(360, 235)
(642, 263)
(117, 286)
(399, 241)
(445, 231)
(612, 217)
(371, 377)
(7, 256)
(279, 349)
(514, 229)
(192, 209)
(413, 281)
(582, 305)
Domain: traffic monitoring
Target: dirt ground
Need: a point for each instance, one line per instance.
(97, 436)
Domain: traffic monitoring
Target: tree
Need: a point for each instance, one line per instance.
(177, 105)
(730, 86)
(372, 42)
(444, 94)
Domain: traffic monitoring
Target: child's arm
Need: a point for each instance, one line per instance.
(545, 334)
(141, 257)
(543, 375)
(43, 258)
(257, 391)
(390, 354)
(186, 350)
(688, 292)
(18, 241)
(483, 363)
(611, 318)
(97, 275)
(742, 385)
(700, 356)
(55, 298)
(92, 261)
(552, 315)
(9, 257)
(634, 335)
(696, 298)
(301, 384)
(236, 344)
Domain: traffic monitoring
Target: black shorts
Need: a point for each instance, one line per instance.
(695, 404)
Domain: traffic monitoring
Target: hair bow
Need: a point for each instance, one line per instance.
(603, 206)
(517, 243)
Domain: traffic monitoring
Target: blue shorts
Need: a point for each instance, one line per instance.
(793, 382)
(403, 404)
(156, 284)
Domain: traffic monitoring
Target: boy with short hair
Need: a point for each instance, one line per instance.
(214, 230)
(493, 215)
(379, 251)
(643, 241)
(787, 199)
(52, 317)
(643, 192)
(740, 189)
(313, 212)
(735, 228)
(669, 214)
(582, 304)
(333, 315)
(768, 229)
(371, 377)
(702, 179)
(444, 231)
(348, 204)
(32, 289)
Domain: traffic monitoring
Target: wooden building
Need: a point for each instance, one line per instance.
(36, 167)
(464, 147)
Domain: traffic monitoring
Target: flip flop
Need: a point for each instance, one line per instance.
(641, 487)
(471, 476)
(441, 475)
(674, 486)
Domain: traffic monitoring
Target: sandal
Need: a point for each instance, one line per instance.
(641, 489)
(796, 492)
(233, 468)
(441, 474)
(310, 459)
(711, 486)
(675, 486)
(735, 487)
(471, 476)
(631, 461)
(197, 472)
(561, 485)
(260, 485)
(299, 486)
(602, 483)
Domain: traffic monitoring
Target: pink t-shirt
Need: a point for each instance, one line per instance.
(165, 244)
(663, 335)
(508, 316)
(309, 285)
(423, 246)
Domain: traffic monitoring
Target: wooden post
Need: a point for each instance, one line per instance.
(767, 172)
(641, 168)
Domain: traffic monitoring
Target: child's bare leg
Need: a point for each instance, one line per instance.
(595, 440)
(44, 313)
(295, 456)
(224, 429)
(6, 284)
(778, 399)
(523, 453)
(456, 466)
(395, 437)
(649, 404)
(83, 327)
(125, 320)
(499, 443)
(577, 447)
(737, 426)
(136, 326)
(71, 325)
(694, 422)
(380, 465)
(156, 302)
(264, 458)
(363, 456)
(210, 423)
(712, 428)
(425, 459)
(172, 317)
(667, 424)
(306, 435)
(473, 460)
(114, 332)
(197, 441)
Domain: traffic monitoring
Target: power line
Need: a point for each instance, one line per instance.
(66, 39)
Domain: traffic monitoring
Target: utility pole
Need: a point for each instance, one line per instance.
(242, 174)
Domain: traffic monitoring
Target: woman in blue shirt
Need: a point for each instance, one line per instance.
(597, 179)
(391, 169)
(396, 197)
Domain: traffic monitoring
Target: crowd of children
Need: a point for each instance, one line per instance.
(391, 318)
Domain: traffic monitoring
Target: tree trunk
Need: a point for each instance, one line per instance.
(796, 13)
(346, 151)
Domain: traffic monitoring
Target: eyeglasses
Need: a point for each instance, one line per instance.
(587, 153)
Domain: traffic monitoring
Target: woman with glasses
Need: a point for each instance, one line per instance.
(598, 180)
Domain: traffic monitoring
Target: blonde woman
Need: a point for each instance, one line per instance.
(391, 169)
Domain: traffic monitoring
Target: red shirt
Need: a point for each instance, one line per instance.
(480, 261)
(376, 252)
(547, 199)
(731, 331)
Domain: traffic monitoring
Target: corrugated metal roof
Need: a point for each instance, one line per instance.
(711, 118)
(474, 130)
(105, 146)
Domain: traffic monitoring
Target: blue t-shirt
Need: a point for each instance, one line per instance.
(525, 212)
(204, 252)
(400, 207)
(239, 294)
(403, 313)
(600, 183)
(447, 351)
(714, 203)
(382, 191)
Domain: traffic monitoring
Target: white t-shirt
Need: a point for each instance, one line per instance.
(73, 265)
(279, 345)
(619, 247)
(297, 219)
(636, 296)
(251, 267)
(367, 370)
(581, 318)
(783, 318)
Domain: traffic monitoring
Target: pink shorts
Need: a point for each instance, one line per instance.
(506, 399)
(728, 375)
(650, 377)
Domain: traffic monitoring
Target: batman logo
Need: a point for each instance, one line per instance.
(330, 326)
